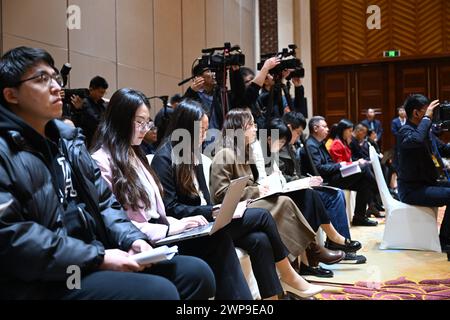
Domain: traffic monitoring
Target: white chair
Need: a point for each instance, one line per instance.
(407, 227)
(350, 202)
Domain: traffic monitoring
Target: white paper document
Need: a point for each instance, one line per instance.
(156, 255)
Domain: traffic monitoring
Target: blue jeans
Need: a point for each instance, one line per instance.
(334, 202)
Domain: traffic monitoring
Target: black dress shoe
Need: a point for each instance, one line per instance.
(364, 222)
(349, 246)
(315, 271)
(354, 258)
(372, 211)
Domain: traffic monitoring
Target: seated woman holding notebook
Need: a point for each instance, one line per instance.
(186, 194)
(136, 186)
(231, 162)
(341, 153)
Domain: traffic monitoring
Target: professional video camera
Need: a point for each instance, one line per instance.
(217, 59)
(289, 61)
(68, 93)
(441, 118)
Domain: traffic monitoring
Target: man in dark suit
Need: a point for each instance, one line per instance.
(398, 122)
(373, 124)
(419, 154)
(330, 172)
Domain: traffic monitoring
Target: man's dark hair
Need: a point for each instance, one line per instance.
(283, 131)
(16, 62)
(246, 71)
(415, 102)
(98, 82)
(314, 122)
(176, 98)
(295, 119)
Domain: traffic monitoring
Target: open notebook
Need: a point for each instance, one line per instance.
(277, 187)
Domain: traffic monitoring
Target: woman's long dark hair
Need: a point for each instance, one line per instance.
(114, 134)
(187, 113)
(236, 119)
(343, 125)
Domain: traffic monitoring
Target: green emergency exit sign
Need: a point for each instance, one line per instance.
(391, 53)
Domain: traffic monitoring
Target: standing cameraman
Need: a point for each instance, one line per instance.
(89, 111)
(204, 89)
(419, 154)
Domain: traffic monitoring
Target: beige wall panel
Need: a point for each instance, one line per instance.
(58, 54)
(194, 33)
(248, 32)
(215, 36)
(168, 37)
(232, 21)
(135, 36)
(98, 24)
(165, 86)
(84, 68)
(26, 18)
(139, 79)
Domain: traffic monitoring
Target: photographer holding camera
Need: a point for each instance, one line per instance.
(420, 154)
(275, 98)
(89, 111)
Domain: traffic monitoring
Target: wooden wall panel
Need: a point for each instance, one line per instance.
(326, 25)
(377, 40)
(429, 27)
(403, 27)
(353, 30)
(419, 28)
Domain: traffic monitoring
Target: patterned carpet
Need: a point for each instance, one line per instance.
(400, 289)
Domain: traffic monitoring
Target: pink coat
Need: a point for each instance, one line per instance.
(153, 231)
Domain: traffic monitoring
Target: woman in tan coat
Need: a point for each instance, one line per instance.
(232, 162)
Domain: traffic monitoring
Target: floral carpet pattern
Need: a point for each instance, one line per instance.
(399, 289)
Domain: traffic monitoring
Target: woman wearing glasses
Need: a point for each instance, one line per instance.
(136, 186)
(180, 170)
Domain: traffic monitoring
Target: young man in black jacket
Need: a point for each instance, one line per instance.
(63, 216)
(419, 154)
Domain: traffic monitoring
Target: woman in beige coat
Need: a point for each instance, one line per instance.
(232, 162)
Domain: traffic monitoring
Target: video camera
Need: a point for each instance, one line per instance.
(217, 59)
(441, 117)
(68, 93)
(289, 61)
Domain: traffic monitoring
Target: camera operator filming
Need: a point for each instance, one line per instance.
(420, 153)
(275, 98)
(210, 79)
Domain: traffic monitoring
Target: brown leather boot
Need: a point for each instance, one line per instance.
(316, 254)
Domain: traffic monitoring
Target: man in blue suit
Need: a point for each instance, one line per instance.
(398, 122)
(373, 124)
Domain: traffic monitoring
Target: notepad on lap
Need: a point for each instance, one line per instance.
(350, 169)
(159, 254)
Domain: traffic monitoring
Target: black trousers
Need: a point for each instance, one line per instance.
(184, 277)
(219, 252)
(363, 183)
(429, 196)
(256, 232)
(311, 205)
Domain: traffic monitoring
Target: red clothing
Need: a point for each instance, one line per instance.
(340, 152)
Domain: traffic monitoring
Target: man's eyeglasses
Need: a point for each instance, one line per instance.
(145, 126)
(46, 79)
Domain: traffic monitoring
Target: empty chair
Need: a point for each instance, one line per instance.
(407, 226)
